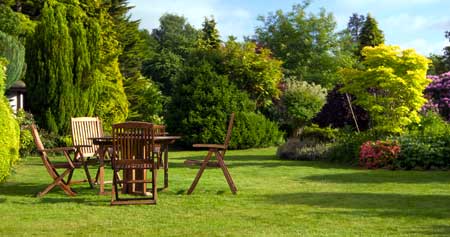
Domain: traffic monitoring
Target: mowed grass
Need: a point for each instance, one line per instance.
(275, 198)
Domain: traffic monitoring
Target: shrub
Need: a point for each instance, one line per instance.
(316, 133)
(254, 130)
(347, 146)
(26, 139)
(438, 94)
(426, 145)
(379, 154)
(202, 103)
(9, 130)
(301, 102)
(296, 149)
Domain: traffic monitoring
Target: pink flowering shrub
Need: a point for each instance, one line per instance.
(379, 154)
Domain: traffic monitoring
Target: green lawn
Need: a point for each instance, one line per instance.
(275, 198)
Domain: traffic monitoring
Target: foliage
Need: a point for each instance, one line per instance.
(72, 60)
(210, 38)
(438, 95)
(378, 154)
(301, 102)
(163, 69)
(175, 34)
(390, 87)
(202, 103)
(355, 25)
(303, 149)
(370, 34)
(252, 69)
(426, 145)
(336, 112)
(254, 130)
(148, 101)
(318, 134)
(9, 130)
(305, 42)
(24, 120)
(14, 52)
(346, 149)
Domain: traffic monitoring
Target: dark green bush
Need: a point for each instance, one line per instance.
(347, 146)
(26, 139)
(254, 130)
(9, 130)
(426, 145)
(202, 103)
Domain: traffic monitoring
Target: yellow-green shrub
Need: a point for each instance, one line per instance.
(9, 130)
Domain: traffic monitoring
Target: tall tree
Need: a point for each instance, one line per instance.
(370, 34)
(210, 37)
(305, 42)
(176, 34)
(73, 67)
(354, 26)
(50, 60)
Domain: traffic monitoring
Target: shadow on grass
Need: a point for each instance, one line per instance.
(265, 161)
(435, 230)
(384, 176)
(371, 204)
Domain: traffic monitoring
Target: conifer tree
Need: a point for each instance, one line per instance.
(210, 38)
(370, 34)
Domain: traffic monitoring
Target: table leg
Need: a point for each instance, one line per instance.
(166, 164)
(101, 170)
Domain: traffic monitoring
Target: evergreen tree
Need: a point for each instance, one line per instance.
(370, 34)
(50, 59)
(210, 38)
(14, 52)
(354, 26)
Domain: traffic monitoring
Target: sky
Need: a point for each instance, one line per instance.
(418, 24)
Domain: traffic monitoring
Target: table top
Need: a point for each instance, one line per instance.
(109, 139)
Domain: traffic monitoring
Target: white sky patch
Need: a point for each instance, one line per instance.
(231, 21)
(425, 47)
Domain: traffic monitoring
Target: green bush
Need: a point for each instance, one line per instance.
(426, 145)
(346, 149)
(202, 103)
(9, 130)
(26, 138)
(316, 133)
(254, 130)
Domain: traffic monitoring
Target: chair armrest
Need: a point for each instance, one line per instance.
(64, 150)
(216, 146)
(59, 149)
(79, 146)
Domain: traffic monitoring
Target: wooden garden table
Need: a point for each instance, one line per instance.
(107, 141)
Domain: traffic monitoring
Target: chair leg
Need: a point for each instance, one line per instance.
(88, 175)
(58, 181)
(226, 173)
(200, 172)
(154, 182)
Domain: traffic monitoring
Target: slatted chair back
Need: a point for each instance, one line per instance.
(133, 146)
(84, 128)
(44, 156)
(218, 150)
(228, 136)
(159, 130)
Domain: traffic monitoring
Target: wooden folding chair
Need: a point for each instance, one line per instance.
(219, 151)
(69, 166)
(83, 130)
(133, 147)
